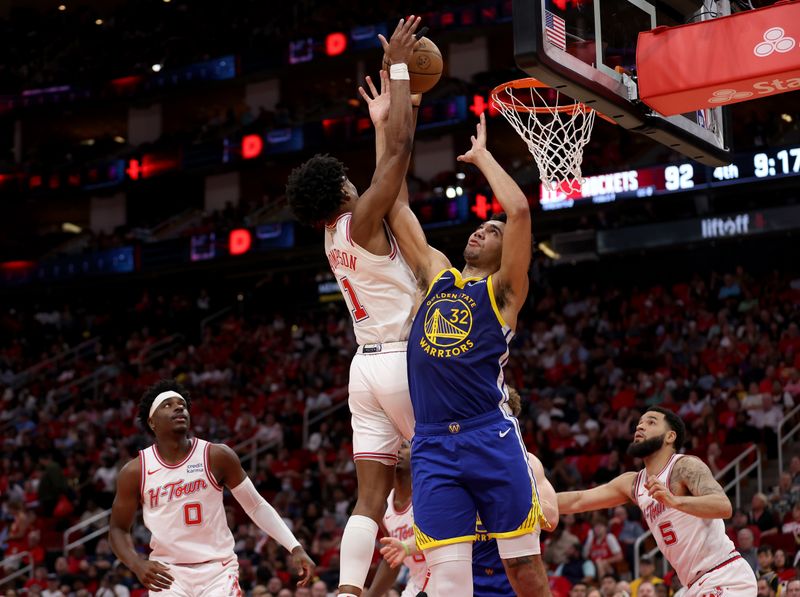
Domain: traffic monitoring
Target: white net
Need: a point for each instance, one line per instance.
(555, 134)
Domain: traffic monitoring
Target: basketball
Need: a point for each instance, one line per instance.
(425, 66)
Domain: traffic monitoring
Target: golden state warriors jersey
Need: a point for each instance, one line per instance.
(457, 349)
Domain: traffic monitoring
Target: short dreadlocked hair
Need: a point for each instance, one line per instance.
(165, 385)
(314, 189)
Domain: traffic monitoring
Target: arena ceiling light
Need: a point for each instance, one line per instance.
(62, 7)
(156, 68)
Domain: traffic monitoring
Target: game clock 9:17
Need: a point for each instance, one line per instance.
(785, 161)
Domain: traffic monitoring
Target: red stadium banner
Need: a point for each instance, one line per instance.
(719, 62)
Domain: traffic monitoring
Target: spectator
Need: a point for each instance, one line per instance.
(646, 589)
(762, 515)
(647, 569)
(792, 588)
(662, 590)
(576, 568)
(765, 568)
(560, 542)
(579, 589)
(626, 531)
(602, 548)
(784, 495)
(746, 549)
(781, 566)
(764, 589)
(608, 585)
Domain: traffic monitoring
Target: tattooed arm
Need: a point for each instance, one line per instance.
(693, 490)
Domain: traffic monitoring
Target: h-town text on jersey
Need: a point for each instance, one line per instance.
(175, 490)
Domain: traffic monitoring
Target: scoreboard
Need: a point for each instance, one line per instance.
(675, 178)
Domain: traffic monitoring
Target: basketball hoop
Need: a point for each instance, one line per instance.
(555, 133)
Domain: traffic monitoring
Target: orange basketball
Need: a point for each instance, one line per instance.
(425, 66)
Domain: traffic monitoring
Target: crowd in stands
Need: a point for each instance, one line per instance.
(46, 47)
(721, 350)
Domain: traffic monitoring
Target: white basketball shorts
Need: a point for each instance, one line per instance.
(210, 579)
(379, 401)
(735, 579)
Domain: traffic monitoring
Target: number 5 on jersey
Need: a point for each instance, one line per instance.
(667, 533)
(359, 312)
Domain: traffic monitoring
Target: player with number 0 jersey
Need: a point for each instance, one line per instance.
(178, 481)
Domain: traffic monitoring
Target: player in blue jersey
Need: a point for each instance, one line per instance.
(488, 574)
(468, 457)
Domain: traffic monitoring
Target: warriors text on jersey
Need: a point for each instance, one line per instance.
(692, 545)
(400, 525)
(182, 507)
(379, 289)
(457, 349)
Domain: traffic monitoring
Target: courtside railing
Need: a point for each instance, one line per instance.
(316, 416)
(12, 562)
(784, 438)
(91, 521)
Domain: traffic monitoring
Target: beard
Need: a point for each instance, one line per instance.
(646, 447)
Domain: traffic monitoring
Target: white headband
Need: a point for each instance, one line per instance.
(161, 398)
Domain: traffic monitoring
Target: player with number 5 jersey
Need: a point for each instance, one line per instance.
(179, 480)
(683, 505)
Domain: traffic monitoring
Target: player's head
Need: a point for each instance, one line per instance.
(317, 189)
(404, 457)
(485, 246)
(514, 401)
(657, 428)
(164, 408)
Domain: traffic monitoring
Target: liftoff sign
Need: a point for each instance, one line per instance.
(714, 63)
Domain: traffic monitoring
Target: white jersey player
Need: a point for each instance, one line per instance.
(398, 524)
(179, 480)
(682, 504)
(379, 290)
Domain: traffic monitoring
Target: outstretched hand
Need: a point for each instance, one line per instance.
(393, 551)
(478, 143)
(401, 45)
(378, 102)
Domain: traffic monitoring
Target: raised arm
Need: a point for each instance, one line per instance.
(367, 219)
(705, 499)
(153, 575)
(617, 492)
(511, 281)
(424, 260)
(227, 470)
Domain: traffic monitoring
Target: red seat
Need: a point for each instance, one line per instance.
(784, 541)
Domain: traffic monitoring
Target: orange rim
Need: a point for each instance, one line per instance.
(528, 83)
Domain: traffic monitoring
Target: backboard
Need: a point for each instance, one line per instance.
(587, 50)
